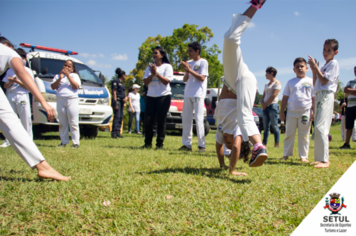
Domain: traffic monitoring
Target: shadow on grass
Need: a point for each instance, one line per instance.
(4, 178)
(45, 145)
(46, 137)
(276, 161)
(208, 172)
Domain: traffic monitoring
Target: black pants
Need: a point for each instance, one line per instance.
(156, 107)
(142, 121)
(350, 117)
(118, 116)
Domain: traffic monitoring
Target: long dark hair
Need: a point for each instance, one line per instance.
(119, 72)
(74, 70)
(164, 54)
(245, 151)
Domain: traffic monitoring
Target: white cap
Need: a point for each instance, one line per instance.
(135, 86)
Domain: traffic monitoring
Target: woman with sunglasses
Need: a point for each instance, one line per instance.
(157, 77)
(67, 84)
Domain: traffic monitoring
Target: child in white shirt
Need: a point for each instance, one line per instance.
(297, 96)
(325, 82)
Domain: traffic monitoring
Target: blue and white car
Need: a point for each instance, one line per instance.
(94, 97)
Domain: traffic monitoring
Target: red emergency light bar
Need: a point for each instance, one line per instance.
(33, 47)
(178, 73)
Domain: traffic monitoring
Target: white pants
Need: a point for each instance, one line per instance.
(301, 121)
(190, 105)
(324, 106)
(11, 127)
(343, 129)
(238, 77)
(68, 116)
(20, 103)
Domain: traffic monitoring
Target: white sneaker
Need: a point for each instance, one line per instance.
(5, 144)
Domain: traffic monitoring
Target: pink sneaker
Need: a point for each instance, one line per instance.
(257, 4)
(258, 156)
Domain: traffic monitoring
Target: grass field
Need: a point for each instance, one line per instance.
(164, 192)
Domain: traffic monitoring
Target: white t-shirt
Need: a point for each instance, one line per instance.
(300, 93)
(195, 88)
(135, 102)
(16, 88)
(269, 91)
(156, 88)
(351, 101)
(65, 88)
(330, 72)
(6, 54)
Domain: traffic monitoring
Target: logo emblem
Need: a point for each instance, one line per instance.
(196, 67)
(305, 120)
(335, 204)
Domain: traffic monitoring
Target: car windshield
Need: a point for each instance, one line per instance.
(177, 90)
(258, 111)
(50, 67)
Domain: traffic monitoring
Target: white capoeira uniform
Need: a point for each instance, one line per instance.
(299, 92)
(238, 78)
(324, 106)
(68, 109)
(10, 124)
(194, 94)
(19, 100)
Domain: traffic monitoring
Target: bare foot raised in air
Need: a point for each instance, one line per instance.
(238, 173)
(45, 171)
(305, 160)
(283, 158)
(322, 165)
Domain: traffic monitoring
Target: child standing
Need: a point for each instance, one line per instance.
(241, 81)
(297, 96)
(325, 85)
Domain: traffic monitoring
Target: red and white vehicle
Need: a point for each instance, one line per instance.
(174, 115)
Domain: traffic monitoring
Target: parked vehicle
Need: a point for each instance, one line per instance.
(94, 97)
(259, 112)
(174, 115)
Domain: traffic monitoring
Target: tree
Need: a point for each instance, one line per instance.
(258, 98)
(176, 47)
(339, 95)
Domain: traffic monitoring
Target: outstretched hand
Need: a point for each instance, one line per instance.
(313, 62)
(51, 114)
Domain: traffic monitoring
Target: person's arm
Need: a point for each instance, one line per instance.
(313, 112)
(11, 81)
(24, 76)
(220, 153)
(316, 71)
(349, 90)
(148, 78)
(55, 84)
(273, 96)
(283, 107)
(164, 80)
(74, 84)
(342, 104)
(235, 153)
(192, 72)
(262, 100)
(130, 104)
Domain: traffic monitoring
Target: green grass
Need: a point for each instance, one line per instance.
(271, 200)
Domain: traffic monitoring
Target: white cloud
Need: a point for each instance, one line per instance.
(119, 57)
(347, 63)
(296, 13)
(101, 55)
(94, 63)
(91, 63)
(84, 54)
(93, 55)
(251, 25)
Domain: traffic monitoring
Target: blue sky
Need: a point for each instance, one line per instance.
(107, 34)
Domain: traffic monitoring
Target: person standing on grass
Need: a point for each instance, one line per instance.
(10, 124)
(298, 98)
(196, 73)
(118, 101)
(67, 84)
(350, 111)
(157, 78)
(270, 107)
(18, 97)
(342, 107)
(134, 107)
(143, 108)
(242, 82)
(325, 82)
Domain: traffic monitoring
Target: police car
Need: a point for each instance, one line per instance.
(94, 97)
(174, 115)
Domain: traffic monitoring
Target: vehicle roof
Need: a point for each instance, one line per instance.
(51, 55)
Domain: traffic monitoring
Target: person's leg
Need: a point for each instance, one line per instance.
(343, 132)
(198, 104)
(235, 154)
(163, 105)
(187, 122)
(291, 128)
(73, 118)
(322, 128)
(24, 112)
(11, 127)
(143, 122)
(151, 109)
(303, 135)
(137, 120)
(354, 132)
(130, 121)
(115, 123)
(266, 125)
(62, 119)
(274, 112)
(350, 123)
(121, 116)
